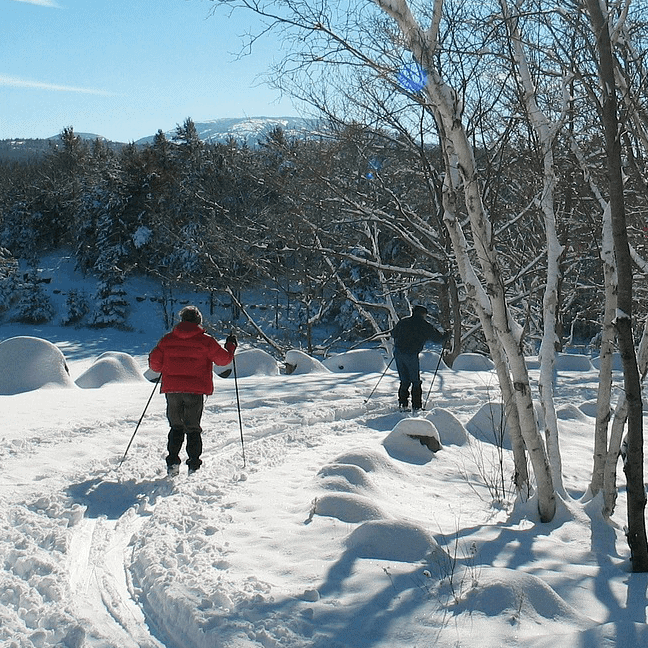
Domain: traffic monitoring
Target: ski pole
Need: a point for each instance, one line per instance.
(434, 375)
(379, 379)
(238, 406)
(157, 380)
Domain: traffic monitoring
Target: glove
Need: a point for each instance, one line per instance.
(231, 342)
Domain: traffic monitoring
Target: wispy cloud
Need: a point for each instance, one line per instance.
(42, 3)
(16, 82)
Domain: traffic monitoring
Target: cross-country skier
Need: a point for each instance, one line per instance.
(410, 335)
(185, 357)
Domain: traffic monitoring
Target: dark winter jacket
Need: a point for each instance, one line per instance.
(184, 357)
(411, 333)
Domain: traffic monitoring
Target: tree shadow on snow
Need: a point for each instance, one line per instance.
(113, 499)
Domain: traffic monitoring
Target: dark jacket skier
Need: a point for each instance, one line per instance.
(185, 358)
(410, 335)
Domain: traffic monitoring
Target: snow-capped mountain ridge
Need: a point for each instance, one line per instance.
(244, 129)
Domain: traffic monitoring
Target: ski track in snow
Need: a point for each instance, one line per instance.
(103, 553)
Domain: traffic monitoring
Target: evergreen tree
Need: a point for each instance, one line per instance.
(34, 305)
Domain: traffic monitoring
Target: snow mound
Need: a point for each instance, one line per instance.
(617, 362)
(357, 361)
(391, 540)
(298, 362)
(412, 439)
(111, 367)
(344, 477)
(368, 460)
(29, 363)
(589, 408)
(606, 635)
(251, 362)
(571, 413)
(348, 507)
(489, 424)
(523, 598)
(472, 362)
(430, 360)
(451, 430)
(572, 362)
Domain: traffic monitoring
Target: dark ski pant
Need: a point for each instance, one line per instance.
(184, 412)
(409, 373)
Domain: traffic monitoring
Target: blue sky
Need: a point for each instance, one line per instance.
(126, 68)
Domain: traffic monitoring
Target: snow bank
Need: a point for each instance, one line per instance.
(29, 363)
(472, 362)
(357, 361)
(298, 362)
(111, 367)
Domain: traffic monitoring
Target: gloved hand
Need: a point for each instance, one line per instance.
(231, 343)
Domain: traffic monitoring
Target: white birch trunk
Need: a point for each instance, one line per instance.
(546, 135)
(602, 456)
(606, 452)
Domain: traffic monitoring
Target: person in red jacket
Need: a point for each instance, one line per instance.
(185, 358)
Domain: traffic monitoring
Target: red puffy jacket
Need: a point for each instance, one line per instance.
(184, 357)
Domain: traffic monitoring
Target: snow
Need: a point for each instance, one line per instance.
(342, 529)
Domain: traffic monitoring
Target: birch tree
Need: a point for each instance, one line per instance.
(633, 466)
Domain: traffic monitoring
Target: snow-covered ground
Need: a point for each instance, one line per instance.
(341, 530)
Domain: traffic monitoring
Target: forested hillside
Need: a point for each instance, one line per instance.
(346, 226)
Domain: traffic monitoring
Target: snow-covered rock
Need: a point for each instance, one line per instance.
(572, 362)
(429, 361)
(250, 362)
(111, 367)
(451, 430)
(298, 362)
(28, 363)
(412, 439)
(617, 362)
(472, 362)
(357, 361)
(489, 424)
(391, 540)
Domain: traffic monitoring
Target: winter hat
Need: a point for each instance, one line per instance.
(191, 314)
(419, 310)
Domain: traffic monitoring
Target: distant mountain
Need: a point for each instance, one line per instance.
(245, 129)
(24, 150)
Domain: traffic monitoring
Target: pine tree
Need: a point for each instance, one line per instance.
(34, 305)
(112, 304)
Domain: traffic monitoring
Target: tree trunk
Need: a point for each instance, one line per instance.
(546, 135)
(633, 466)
